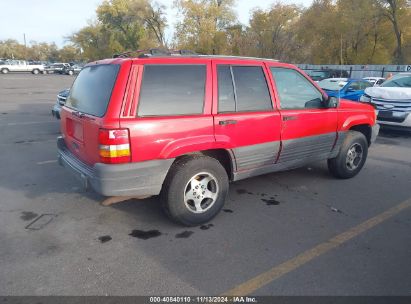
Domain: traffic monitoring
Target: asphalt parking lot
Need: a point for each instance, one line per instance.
(306, 232)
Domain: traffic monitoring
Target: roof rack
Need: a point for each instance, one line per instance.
(165, 52)
(156, 52)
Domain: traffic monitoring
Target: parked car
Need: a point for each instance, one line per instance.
(319, 75)
(351, 89)
(376, 81)
(185, 126)
(393, 101)
(58, 68)
(61, 100)
(72, 70)
(20, 66)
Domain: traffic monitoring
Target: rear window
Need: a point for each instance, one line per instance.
(91, 91)
(172, 90)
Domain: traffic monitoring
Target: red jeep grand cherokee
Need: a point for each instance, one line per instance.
(185, 126)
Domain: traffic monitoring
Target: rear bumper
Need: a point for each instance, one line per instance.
(134, 179)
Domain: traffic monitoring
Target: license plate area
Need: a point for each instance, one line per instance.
(75, 129)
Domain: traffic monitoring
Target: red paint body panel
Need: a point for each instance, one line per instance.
(86, 148)
(351, 113)
(251, 127)
(168, 137)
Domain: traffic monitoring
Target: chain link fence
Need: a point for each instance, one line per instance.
(360, 71)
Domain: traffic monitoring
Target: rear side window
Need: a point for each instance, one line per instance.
(226, 96)
(251, 89)
(242, 89)
(172, 90)
(91, 91)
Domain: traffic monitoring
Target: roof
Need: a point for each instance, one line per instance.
(164, 53)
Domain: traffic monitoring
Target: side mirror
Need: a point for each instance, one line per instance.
(332, 102)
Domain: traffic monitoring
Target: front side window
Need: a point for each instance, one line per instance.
(242, 89)
(365, 84)
(295, 91)
(354, 86)
(168, 90)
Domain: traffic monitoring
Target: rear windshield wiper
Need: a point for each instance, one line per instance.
(81, 115)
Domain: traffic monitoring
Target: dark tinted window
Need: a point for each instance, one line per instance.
(172, 90)
(295, 91)
(91, 91)
(251, 89)
(226, 97)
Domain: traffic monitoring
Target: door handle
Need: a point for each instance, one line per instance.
(290, 117)
(227, 122)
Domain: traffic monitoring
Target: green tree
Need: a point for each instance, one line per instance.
(273, 32)
(398, 14)
(204, 26)
(95, 42)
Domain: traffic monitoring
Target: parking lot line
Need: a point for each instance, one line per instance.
(47, 162)
(27, 123)
(278, 271)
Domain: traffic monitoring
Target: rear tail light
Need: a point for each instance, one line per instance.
(114, 146)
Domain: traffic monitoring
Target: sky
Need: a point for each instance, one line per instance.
(55, 20)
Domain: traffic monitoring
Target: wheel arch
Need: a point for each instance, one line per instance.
(364, 129)
(223, 156)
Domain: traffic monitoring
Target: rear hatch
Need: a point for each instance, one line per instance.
(85, 110)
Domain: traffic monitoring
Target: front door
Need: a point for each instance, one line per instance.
(245, 118)
(309, 129)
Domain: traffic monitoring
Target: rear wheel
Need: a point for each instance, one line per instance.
(195, 190)
(4, 71)
(352, 156)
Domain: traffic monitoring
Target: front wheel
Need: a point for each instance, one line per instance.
(195, 190)
(35, 71)
(352, 156)
(4, 71)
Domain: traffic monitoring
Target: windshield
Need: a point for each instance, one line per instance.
(91, 91)
(402, 81)
(332, 85)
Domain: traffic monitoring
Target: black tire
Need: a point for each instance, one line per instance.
(174, 193)
(4, 71)
(35, 71)
(71, 73)
(344, 165)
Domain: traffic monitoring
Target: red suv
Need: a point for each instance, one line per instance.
(185, 126)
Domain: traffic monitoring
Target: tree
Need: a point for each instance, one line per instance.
(95, 42)
(273, 31)
(204, 25)
(122, 25)
(397, 12)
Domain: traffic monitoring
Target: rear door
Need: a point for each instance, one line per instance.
(86, 109)
(167, 108)
(245, 118)
(309, 129)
